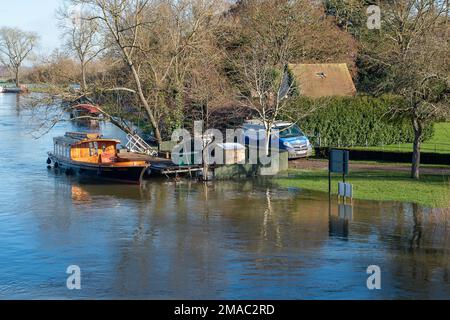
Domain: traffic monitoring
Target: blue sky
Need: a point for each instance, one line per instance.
(33, 15)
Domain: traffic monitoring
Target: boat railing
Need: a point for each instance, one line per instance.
(138, 145)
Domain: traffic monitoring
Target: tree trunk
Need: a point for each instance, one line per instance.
(17, 77)
(267, 142)
(120, 125)
(145, 103)
(418, 133)
(83, 78)
(205, 158)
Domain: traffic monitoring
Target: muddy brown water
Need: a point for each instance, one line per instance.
(222, 240)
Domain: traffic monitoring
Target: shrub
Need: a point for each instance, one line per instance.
(353, 121)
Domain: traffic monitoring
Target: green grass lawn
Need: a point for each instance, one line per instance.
(439, 143)
(430, 191)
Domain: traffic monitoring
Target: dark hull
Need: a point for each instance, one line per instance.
(129, 174)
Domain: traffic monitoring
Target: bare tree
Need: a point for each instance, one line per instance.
(182, 35)
(270, 30)
(15, 47)
(52, 107)
(123, 23)
(82, 36)
(156, 40)
(54, 68)
(413, 49)
(209, 90)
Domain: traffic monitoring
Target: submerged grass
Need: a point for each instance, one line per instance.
(430, 190)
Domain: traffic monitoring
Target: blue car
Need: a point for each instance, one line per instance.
(291, 137)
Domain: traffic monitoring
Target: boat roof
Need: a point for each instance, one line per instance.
(87, 107)
(75, 138)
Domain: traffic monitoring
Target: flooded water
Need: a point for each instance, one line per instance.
(187, 240)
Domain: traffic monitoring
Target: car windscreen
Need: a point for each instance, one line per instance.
(290, 131)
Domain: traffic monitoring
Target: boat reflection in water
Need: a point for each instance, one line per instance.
(80, 195)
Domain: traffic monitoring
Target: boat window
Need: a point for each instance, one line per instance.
(93, 149)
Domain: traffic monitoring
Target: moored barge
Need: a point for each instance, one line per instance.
(92, 155)
(18, 90)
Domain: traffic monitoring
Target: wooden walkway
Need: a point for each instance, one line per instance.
(161, 165)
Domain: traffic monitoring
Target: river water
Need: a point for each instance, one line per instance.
(188, 240)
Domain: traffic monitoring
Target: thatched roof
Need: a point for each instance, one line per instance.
(323, 80)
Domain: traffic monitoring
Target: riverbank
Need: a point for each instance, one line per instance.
(375, 181)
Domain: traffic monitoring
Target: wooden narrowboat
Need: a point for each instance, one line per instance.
(92, 155)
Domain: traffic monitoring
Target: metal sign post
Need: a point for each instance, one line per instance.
(338, 163)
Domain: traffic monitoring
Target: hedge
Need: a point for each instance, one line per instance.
(353, 121)
(388, 156)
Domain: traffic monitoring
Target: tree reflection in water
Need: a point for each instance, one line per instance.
(203, 240)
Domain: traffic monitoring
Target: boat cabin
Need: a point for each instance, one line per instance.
(84, 110)
(86, 147)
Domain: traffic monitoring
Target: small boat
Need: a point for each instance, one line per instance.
(84, 110)
(1, 89)
(92, 155)
(21, 89)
